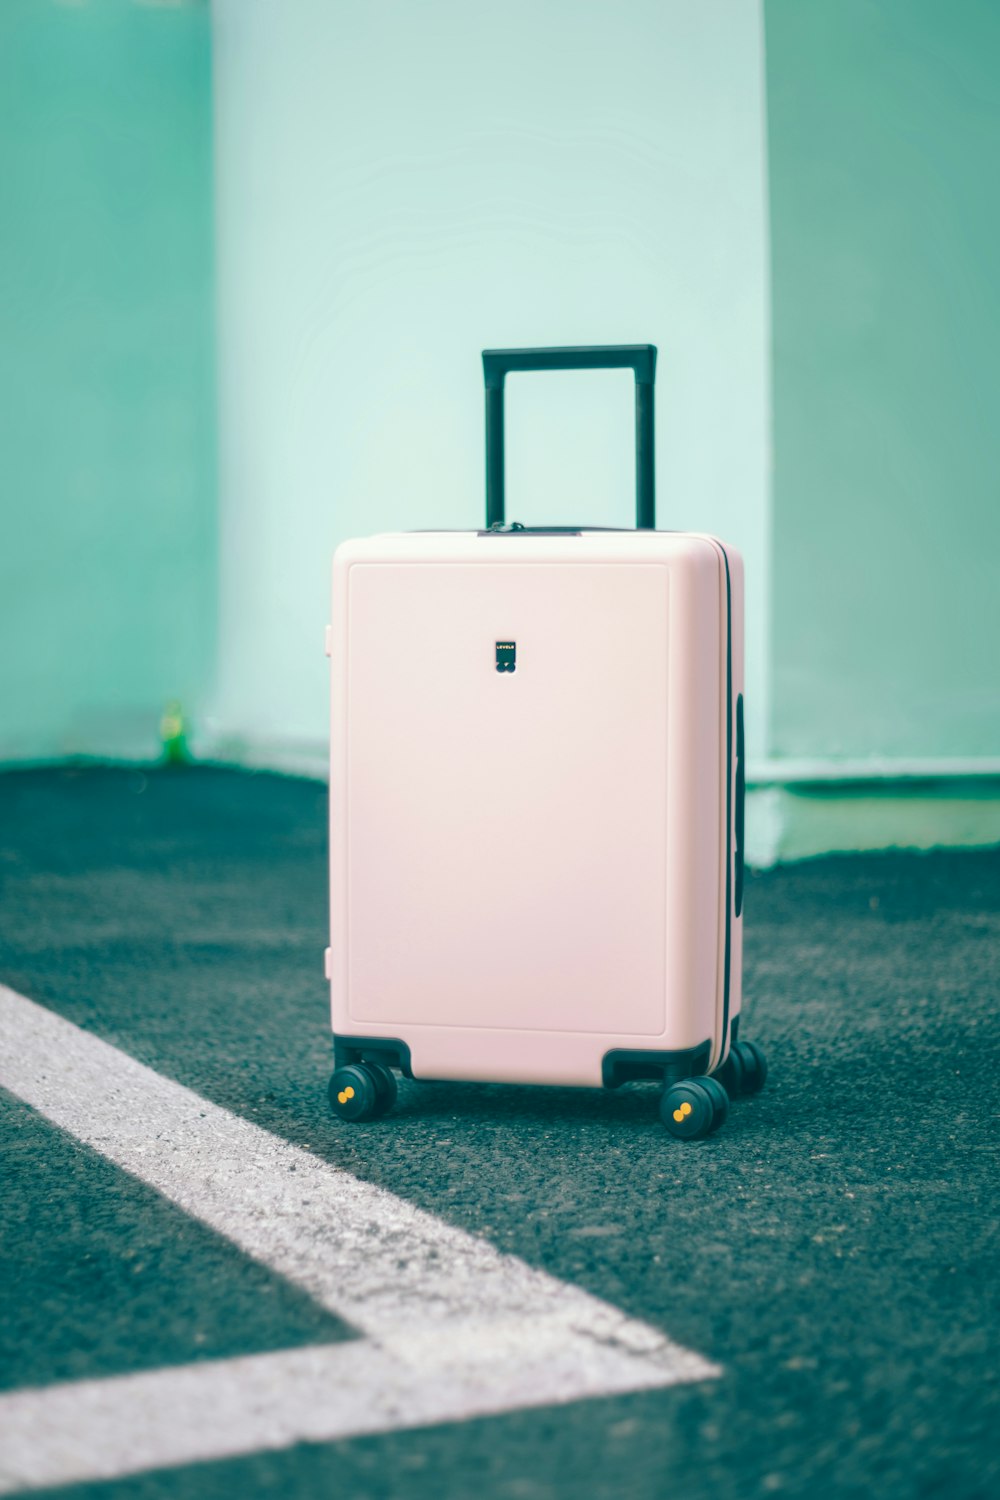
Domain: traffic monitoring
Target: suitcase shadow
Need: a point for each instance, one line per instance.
(526, 1104)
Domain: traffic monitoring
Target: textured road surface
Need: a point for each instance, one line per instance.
(834, 1249)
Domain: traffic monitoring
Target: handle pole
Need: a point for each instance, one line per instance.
(645, 490)
(641, 358)
(494, 457)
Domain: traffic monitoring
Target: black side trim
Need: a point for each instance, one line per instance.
(729, 800)
(622, 1065)
(741, 794)
(381, 1049)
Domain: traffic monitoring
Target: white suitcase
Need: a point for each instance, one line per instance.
(536, 800)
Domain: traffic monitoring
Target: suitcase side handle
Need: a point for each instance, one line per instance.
(641, 358)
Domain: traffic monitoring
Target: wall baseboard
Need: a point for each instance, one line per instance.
(795, 810)
(305, 757)
(790, 823)
(875, 770)
(799, 819)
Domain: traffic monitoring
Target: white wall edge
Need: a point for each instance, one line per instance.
(777, 771)
(782, 824)
(787, 819)
(309, 757)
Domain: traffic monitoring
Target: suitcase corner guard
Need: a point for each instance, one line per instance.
(381, 1049)
(622, 1065)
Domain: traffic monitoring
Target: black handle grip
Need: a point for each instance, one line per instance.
(641, 358)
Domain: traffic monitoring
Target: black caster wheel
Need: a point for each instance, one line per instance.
(385, 1086)
(744, 1070)
(354, 1092)
(693, 1109)
(731, 1075)
(754, 1067)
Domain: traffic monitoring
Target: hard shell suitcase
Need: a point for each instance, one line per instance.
(536, 799)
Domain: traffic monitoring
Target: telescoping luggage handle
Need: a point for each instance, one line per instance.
(641, 358)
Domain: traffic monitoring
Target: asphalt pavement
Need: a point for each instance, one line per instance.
(833, 1249)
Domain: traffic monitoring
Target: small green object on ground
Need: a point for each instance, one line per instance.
(173, 734)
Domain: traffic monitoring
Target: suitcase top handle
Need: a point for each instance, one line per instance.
(638, 357)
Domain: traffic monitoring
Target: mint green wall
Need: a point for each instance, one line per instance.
(884, 145)
(108, 559)
(401, 185)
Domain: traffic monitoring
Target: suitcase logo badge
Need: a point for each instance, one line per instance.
(506, 656)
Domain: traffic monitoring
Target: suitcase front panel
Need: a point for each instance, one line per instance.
(507, 829)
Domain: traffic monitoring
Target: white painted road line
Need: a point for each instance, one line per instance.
(453, 1328)
(104, 1429)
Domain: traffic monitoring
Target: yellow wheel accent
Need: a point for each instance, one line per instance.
(342, 1097)
(349, 1092)
(685, 1108)
(679, 1114)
